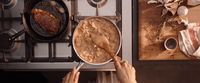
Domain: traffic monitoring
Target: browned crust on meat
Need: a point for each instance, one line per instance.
(46, 20)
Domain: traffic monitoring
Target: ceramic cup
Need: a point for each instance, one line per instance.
(170, 43)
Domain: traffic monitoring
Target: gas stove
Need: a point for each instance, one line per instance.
(26, 53)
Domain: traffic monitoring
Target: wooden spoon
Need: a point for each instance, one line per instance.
(101, 41)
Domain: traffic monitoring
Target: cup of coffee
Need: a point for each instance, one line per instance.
(170, 43)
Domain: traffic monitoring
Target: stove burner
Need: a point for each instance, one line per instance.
(8, 3)
(5, 42)
(8, 45)
(97, 3)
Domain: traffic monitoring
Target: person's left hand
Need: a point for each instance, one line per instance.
(72, 77)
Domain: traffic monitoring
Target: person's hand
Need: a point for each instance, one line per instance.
(125, 72)
(72, 77)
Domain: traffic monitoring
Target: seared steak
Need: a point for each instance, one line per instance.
(46, 20)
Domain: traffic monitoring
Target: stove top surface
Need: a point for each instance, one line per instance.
(29, 54)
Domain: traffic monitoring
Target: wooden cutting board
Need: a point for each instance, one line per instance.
(150, 21)
(194, 14)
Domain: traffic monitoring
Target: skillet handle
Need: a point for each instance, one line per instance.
(12, 38)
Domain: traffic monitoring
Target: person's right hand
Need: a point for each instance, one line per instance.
(125, 72)
(72, 77)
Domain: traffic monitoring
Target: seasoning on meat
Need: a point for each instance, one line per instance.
(46, 20)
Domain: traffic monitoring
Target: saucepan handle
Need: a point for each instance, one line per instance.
(80, 64)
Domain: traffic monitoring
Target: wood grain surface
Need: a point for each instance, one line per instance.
(152, 34)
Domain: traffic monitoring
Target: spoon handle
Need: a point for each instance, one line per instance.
(113, 55)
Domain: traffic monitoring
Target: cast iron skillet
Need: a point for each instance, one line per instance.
(36, 31)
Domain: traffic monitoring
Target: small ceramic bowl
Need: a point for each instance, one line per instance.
(170, 43)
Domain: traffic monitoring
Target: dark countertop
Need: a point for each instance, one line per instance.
(144, 74)
(41, 77)
(168, 74)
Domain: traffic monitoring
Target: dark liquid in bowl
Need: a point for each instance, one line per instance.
(171, 43)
